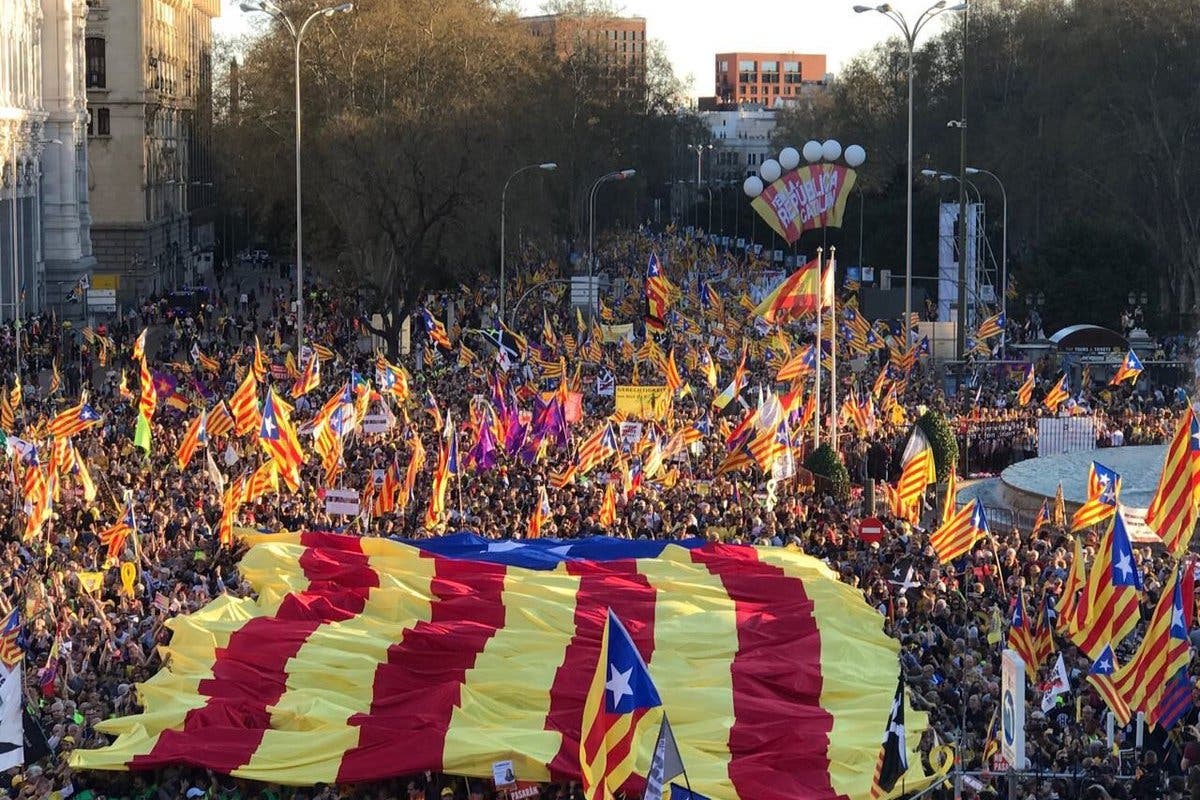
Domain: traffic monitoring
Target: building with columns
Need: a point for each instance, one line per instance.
(149, 90)
(45, 246)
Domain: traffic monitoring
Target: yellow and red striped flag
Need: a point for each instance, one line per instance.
(148, 400)
(1100, 676)
(1110, 600)
(220, 422)
(309, 379)
(139, 346)
(539, 515)
(195, 436)
(918, 469)
(608, 507)
(1058, 394)
(958, 534)
(244, 405)
(1165, 648)
(1020, 636)
(114, 538)
(1025, 393)
(1104, 492)
(1172, 512)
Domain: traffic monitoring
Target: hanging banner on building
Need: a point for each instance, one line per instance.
(806, 198)
(647, 402)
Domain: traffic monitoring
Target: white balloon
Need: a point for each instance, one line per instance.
(789, 158)
(812, 151)
(752, 186)
(769, 170)
(831, 150)
(855, 155)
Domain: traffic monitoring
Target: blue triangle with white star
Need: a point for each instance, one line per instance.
(627, 685)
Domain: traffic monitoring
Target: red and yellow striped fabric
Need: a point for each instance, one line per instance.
(761, 656)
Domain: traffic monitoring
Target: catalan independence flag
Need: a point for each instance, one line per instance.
(658, 296)
(467, 651)
(1104, 491)
(1020, 636)
(617, 707)
(1100, 677)
(11, 651)
(1110, 599)
(1058, 394)
(1129, 370)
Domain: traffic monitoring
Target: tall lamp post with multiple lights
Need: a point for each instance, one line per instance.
(548, 166)
(910, 39)
(272, 10)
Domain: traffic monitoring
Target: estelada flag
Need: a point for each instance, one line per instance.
(796, 295)
(358, 643)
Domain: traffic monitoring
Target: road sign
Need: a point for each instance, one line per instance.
(1012, 709)
(870, 529)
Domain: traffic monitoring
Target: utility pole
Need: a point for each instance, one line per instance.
(961, 317)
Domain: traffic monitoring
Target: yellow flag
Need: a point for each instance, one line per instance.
(91, 581)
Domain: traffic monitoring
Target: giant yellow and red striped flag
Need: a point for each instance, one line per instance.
(918, 469)
(1165, 648)
(319, 672)
(1172, 511)
(1110, 600)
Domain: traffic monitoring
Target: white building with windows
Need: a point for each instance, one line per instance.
(741, 139)
(45, 244)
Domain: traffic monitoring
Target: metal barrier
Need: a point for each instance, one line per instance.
(1058, 435)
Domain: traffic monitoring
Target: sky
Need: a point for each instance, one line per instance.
(693, 31)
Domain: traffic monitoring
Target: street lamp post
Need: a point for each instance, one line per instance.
(272, 10)
(910, 39)
(1003, 252)
(548, 166)
(619, 175)
(700, 148)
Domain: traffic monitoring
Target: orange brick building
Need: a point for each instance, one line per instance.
(620, 41)
(769, 79)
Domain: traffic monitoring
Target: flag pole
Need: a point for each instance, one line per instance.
(817, 415)
(833, 345)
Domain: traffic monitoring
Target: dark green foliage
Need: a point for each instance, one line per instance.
(941, 439)
(829, 471)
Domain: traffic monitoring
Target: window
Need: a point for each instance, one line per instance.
(102, 122)
(751, 159)
(770, 72)
(791, 72)
(94, 51)
(747, 70)
(722, 66)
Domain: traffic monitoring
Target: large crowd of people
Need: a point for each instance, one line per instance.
(88, 642)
